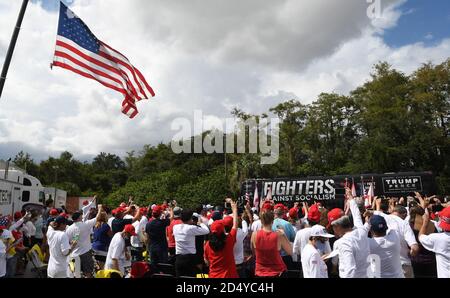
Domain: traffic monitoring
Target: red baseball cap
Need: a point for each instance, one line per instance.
(130, 229)
(54, 211)
(444, 219)
(157, 210)
(64, 215)
(333, 215)
(228, 221)
(267, 206)
(143, 210)
(120, 210)
(17, 215)
(314, 213)
(279, 206)
(293, 213)
(217, 227)
(85, 202)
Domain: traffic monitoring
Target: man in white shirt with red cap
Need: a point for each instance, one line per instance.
(312, 264)
(439, 243)
(117, 252)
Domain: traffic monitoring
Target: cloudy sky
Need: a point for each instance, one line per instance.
(209, 55)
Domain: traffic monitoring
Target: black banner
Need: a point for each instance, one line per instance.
(331, 190)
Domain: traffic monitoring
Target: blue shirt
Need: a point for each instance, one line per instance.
(286, 226)
(101, 239)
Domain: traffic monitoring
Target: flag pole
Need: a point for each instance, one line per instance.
(12, 45)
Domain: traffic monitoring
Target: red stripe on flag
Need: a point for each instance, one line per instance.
(117, 71)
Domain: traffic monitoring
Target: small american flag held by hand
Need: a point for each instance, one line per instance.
(79, 51)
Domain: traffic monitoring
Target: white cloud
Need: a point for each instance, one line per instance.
(210, 55)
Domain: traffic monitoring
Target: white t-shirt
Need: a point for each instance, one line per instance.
(301, 240)
(312, 264)
(128, 216)
(256, 225)
(83, 231)
(185, 237)
(86, 210)
(353, 248)
(29, 230)
(239, 245)
(116, 251)
(2, 259)
(405, 233)
(388, 249)
(139, 227)
(59, 248)
(439, 243)
(110, 220)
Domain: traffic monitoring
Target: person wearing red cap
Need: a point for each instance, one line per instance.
(293, 219)
(266, 243)
(439, 243)
(119, 222)
(302, 237)
(280, 223)
(16, 265)
(87, 206)
(52, 214)
(138, 242)
(174, 220)
(117, 252)
(156, 236)
(219, 250)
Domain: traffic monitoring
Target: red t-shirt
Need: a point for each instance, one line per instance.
(169, 232)
(221, 263)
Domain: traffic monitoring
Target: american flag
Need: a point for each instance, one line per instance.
(79, 51)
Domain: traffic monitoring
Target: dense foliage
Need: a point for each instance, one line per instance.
(394, 122)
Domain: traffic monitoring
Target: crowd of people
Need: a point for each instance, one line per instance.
(389, 238)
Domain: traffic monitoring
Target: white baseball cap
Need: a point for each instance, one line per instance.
(319, 231)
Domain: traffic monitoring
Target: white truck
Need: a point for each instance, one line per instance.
(19, 191)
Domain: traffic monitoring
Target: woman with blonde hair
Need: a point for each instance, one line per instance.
(101, 240)
(267, 245)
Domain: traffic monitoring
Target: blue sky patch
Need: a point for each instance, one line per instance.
(421, 21)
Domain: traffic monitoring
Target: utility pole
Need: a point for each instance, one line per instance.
(12, 45)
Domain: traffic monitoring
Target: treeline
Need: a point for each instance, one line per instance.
(394, 122)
